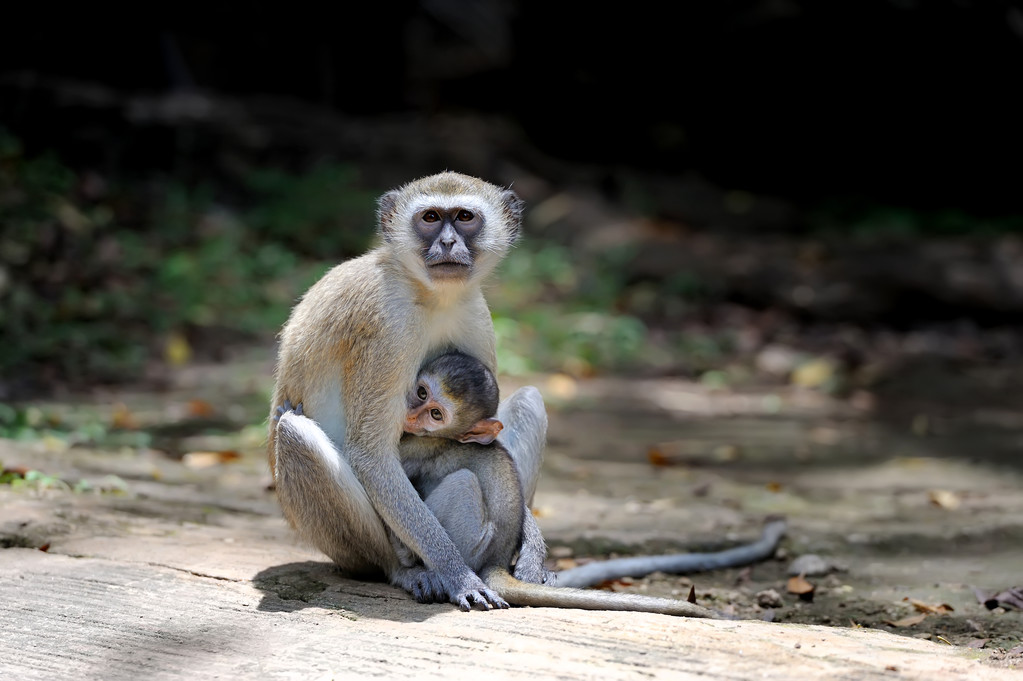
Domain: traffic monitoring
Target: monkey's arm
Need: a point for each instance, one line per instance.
(406, 514)
(678, 563)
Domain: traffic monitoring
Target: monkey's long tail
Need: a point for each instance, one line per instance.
(523, 593)
(676, 563)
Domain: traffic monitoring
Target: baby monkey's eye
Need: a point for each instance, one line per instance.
(437, 416)
(430, 216)
(421, 393)
(465, 215)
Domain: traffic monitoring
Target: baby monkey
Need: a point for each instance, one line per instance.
(471, 485)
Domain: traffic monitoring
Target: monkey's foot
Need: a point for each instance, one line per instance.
(424, 585)
(285, 408)
(479, 594)
(535, 573)
(471, 591)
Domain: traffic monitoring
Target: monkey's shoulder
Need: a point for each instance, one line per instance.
(356, 281)
(358, 298)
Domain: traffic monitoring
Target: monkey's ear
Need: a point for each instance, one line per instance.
(386, 207)
(483, 431)
(513, 206)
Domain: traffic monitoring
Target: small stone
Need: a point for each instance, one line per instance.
(811, 565)
(769, 598)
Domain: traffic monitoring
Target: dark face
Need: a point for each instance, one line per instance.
(448, 237)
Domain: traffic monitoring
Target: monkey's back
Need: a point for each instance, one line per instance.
(332, 337)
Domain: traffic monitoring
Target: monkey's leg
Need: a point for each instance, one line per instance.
(529, 567)
(524, 435)
(457, 502)
(325, 502)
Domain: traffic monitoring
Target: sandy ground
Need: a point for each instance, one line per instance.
(173, 569)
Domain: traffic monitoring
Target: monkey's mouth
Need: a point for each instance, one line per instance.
(448, 269)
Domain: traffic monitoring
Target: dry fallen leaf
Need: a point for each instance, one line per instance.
(692, 594)
(799, 586)
(1012, 598)
(658, 459)
(701, 490)
(977, 643)
(176, 350)
(814, 373)
(726, 453)
(943, 498)
(942, 609)
(623, 584)
(773, 487)
(123, 419)
(200, 408)
(910, 621)
(207, 459)
(562, 386)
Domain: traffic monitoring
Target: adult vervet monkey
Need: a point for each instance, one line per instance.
(350, 353)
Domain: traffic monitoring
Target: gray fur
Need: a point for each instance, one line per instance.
(475, 492)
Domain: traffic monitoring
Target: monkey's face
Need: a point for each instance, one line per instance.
(449, 229)
(429, 413)
(448, 237)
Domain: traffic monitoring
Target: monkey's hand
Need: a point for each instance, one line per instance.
(285, 408)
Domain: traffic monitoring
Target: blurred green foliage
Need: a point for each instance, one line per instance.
(38, 481)
(551, 313)
(32, 424)
(312, 213)
(95, 277)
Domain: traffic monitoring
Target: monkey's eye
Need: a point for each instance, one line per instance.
(430, 216)
(421, 393)
(436, 415)
(465, 216)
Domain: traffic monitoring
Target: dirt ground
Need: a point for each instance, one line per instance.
(898, 523)
(906, 532)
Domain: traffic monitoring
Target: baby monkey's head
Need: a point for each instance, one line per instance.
(455, 397)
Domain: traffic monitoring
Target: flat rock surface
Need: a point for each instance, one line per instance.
(176, 571)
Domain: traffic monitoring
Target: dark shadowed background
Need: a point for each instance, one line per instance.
(703, 180)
